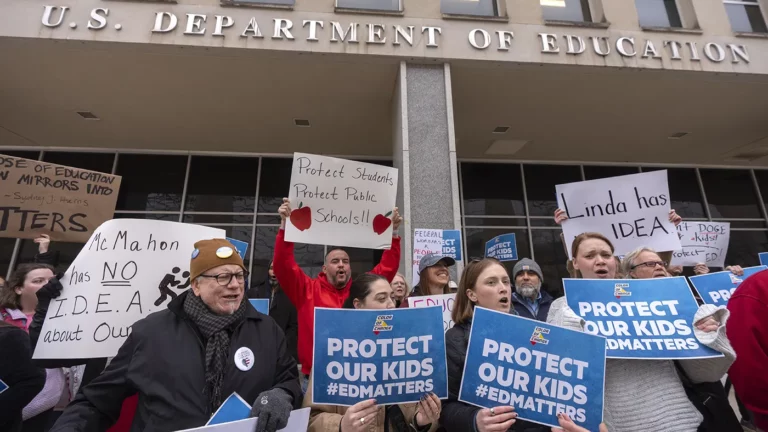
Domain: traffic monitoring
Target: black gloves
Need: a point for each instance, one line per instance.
(49, 291)
(272, 407)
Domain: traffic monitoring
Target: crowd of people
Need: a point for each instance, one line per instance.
(175, 368)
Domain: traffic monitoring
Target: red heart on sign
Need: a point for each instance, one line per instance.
(533, 342)
(376, 333)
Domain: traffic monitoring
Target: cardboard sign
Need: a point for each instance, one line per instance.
(445, 301)
(538, 368)
(241, 246)
(631, 210)
(128, 269)
(66, 203)
(261, 305)
(392, 355)
(425, 242)
(717, 288)
(763, 256)
(233, 409)
(341, 202)
(297, 422)
(703, 242)
(648, 319)
(502, 247)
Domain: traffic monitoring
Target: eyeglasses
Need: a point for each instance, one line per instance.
(651, 264)
(224, 279)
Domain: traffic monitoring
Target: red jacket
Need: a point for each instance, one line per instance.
(307, 293)
(747, 330)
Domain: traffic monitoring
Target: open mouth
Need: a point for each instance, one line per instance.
(601, 273)
(231, 297)
(341, 274)
(659, 275)
(504, 301)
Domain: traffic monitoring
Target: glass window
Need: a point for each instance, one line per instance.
(222, 184)
(684, 191)
(551, 257)
(599, 172)
(67, 253)
(506, 199)
(477, 237)
(101, 162)
(744, 247)
(163, 217)
(566, 10)
(151, 182)
(362, 260)
(730, 194)
(470, 7)
(762, 182)
(6, 251)
(309, 257)
(383, 5)
(658, 13)
(34, 155)
(261, 2)
(275, 182)
(746, 16)
(540, 182)
(218, 219)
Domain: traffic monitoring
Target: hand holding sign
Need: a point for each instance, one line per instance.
(499, 418)
(358, 416)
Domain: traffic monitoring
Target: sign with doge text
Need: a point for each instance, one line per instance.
(538, 368)
(703, 242)
(341, 202)
(391, 355)
(631, 210)
(717, 288)
(444, 301)
(647, 319)
(128, 269)
(66, 203)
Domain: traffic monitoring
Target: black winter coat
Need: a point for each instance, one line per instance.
(163, 361)
(522, 307)
(24, 381)
(457, 416)
(282, 311)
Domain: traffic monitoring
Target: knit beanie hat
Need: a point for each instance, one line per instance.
(527, 264)
(212, 253)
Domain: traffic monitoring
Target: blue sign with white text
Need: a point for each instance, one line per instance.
(717, 288)
(540, 369)
(763, 258)
(233, 409)
(241, 246)
(391, 355)
(642, 318)
(452, 244)
(503, 248)
(261, 305)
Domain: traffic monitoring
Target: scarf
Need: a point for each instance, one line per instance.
(216, 330)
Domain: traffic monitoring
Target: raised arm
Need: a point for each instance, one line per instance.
(291, 277)
(390, 259)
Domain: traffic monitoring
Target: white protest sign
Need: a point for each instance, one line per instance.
(425, 242)
(128, 269)
(341, 202)
(631, 210)
(703, 242)
(445, 301)
(297, 422)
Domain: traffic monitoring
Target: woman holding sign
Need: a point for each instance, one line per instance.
(371, 291)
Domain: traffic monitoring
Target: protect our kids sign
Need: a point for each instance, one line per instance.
(641, 318)
(717, 288)
(393, 356)
(341, 202)
(539, 369)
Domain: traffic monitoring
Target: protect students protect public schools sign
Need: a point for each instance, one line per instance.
(717, 288)
(128, 269)
(642, 318)
(391, 355)
(538, 368)
(341, 202)
(44, 198)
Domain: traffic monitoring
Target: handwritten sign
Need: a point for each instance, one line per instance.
(631, 210)
(703, 242)
(502, 247)
(392, 355)
(44, 198)
(298, 421)
(540, 369)
(642, 318)
(425, 242)
(261, 305)
(717, 288)
(128, 269)
(341, 202)
(444, 301)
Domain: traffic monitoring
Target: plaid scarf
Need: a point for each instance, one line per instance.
(216, 330)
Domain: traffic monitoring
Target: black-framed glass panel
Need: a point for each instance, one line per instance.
(746, 16)
(218, 219)
(378, 5)
(566, 10)
(6, 252)
(492, 189)
(684, 191)
(551, 257)
(600, 171)
(658, 13)
(34, 155)
(362, 260)
(275, 183)
(308, 257)
(744, 247)
(151, 182)
(67, 253)
(489, 8)
(222, 184)
(101, 162)
(477, 237)
(540, 183)
(762, 182)
(162, 217)
(730, 193)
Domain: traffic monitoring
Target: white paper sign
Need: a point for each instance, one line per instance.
(631, 210)
(425, 242)
(445, 301)
(703, 242)
(341, 202)
(128, 269)
(297, 422)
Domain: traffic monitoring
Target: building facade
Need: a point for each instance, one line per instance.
(483, 106)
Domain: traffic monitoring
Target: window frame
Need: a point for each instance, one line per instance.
(747, 3)
(399, 9)
(589, 19)
(498, 7)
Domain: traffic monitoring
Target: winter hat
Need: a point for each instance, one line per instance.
(212, 253)
(527, 264)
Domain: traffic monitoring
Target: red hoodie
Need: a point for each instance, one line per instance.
(307, 293)
(747, 330)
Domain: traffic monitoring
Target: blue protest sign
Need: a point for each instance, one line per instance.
(763, 258)
(261, 305)
(233, 409)
(241, 246)
(452, 244)
(503, 248)
(642, 318)
(717, 288)
(3, 386)
(538, 368)
(392, 355)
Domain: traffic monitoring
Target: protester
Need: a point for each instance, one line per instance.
(483, 283)
(373, 292)
(280, 308)
(329, 289)
(400, 289)
(650, 390)
(434, 276)
(185, 361)
(528, 299)
(748, 333)
(24, 381)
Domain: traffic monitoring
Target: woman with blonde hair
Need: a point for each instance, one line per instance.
(400, 289)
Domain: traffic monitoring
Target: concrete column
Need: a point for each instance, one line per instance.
(424, 150)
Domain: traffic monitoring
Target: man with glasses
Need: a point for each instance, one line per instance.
(185, 361)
